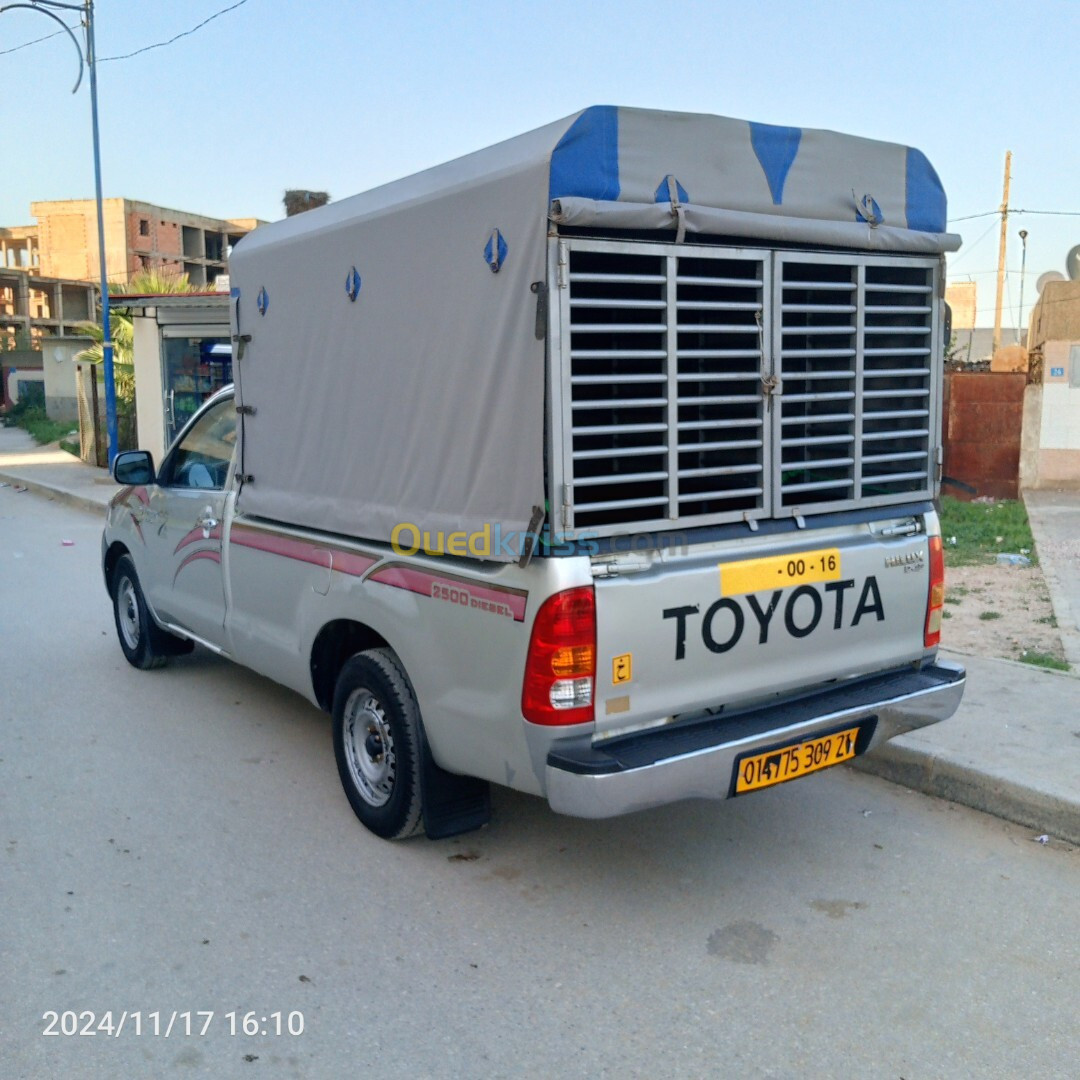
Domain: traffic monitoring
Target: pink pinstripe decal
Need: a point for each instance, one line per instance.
(467, 593)
(345, 562)
(213, 556)
(122, 496)
(196, 535)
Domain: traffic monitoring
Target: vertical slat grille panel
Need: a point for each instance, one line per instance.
(707, 385)
(666, 419)
(718, 355)
(896, 380)
(854, 360)
(618, 378)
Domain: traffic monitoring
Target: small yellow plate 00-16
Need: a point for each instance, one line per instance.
(779, 571)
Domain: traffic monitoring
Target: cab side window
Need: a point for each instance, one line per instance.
(202, 458)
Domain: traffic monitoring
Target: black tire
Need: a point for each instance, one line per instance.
(141, 639)
(378, 744)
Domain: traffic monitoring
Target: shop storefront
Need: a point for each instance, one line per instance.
(182, 355)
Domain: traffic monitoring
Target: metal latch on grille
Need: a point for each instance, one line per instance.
(771, 385)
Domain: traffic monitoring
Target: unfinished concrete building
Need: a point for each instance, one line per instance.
(138, 236)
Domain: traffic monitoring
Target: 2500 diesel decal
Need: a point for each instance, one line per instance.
(803, 612)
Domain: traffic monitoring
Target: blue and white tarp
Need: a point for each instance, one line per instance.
(636, 169)
(393, 365)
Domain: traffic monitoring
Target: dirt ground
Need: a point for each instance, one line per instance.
(999, 611)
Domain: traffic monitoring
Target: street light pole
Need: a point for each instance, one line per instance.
(1023, 266)
(86, 9)
(106, 330)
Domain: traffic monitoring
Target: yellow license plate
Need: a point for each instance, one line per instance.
(790, 762)
(779, 571)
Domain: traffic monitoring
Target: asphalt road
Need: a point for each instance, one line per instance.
(177, 842)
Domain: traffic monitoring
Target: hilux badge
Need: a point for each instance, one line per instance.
(912, 557)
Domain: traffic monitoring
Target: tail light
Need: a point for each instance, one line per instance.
(935, 600)
(560, 671)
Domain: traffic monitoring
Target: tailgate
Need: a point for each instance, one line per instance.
(735, 621)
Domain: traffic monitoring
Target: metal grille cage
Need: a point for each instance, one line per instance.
(853, 347)
(698, 385)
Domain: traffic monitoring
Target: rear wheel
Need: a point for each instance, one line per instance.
(377, 743)
(140, 637)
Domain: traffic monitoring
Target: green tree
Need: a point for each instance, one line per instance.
(145, 282)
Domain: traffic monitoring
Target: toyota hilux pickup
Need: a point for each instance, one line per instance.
(599, 464)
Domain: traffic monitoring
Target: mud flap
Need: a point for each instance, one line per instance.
(452, 804)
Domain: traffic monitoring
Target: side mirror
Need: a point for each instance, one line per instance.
(133, 467)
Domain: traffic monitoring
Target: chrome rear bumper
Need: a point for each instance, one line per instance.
(695, 758)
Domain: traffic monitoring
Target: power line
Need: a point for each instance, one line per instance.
(137, 52)
(972, 217)
(995, 213)
(968, 248)
(36, 41)
(1049, 213)
(177, 37)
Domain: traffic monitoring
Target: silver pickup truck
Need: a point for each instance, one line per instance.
(644, 518)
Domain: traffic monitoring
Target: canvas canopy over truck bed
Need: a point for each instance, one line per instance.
(407, 324)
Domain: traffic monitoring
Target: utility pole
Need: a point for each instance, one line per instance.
(1023, 269)
(85, 10)
(1001, 253)
(106, 329)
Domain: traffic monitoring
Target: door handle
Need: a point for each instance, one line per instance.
(206, 522)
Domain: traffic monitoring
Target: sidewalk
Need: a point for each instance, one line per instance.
(1012, 749)
(1055, 521)
(49, 471)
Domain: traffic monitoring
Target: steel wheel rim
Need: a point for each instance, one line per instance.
(369, 748)
(127, 613)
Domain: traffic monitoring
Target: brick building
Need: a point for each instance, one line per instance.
(138, 236)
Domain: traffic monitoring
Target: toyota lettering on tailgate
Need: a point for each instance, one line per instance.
(800, 613)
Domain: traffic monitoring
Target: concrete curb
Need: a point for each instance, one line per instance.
(68, 498)
(946, 778)
(1018, 664)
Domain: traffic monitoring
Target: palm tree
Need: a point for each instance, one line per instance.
(145, 282)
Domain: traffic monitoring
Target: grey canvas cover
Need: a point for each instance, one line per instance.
(396, 380)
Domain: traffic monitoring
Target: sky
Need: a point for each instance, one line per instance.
(343, 95)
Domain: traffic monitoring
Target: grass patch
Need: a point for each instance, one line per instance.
(1048, 620)
(982, 530)
(1043, 660)
(41, 428)
(986, 616)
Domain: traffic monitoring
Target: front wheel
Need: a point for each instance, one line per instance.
(377, 743)
(136, 629)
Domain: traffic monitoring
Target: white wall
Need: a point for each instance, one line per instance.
(58, 366)
(1050, 456)
(149, 391)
